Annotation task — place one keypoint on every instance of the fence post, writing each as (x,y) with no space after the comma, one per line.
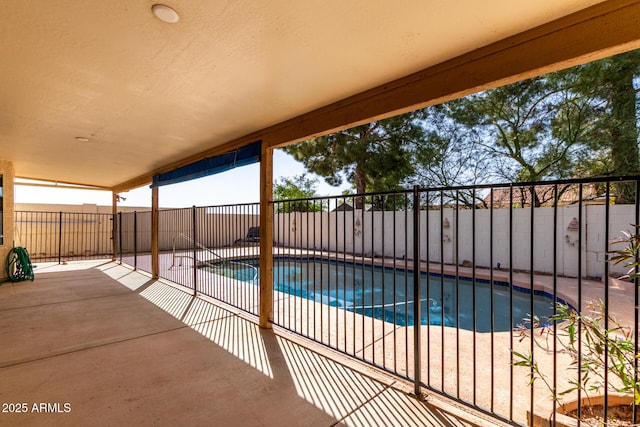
(114,213)
(135,240)
(113,237)
(195,252)
(416,290)
(60,238)
(120,235)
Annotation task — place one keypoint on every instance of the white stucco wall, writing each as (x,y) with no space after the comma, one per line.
(391,234)
(373,233)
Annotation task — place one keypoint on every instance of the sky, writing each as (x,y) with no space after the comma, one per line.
(240,185)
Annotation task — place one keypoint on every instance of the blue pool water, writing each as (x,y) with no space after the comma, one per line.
(387,294)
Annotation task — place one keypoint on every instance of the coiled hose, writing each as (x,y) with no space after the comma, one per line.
(18,265)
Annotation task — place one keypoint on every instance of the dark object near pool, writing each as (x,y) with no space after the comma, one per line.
(253,236)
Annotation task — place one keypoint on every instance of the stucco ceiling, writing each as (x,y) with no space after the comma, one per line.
(147,93)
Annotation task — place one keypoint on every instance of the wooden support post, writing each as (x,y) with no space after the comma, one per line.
(266,237)
(155,261)
(114,224)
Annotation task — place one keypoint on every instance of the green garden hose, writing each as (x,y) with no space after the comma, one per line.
(18,265)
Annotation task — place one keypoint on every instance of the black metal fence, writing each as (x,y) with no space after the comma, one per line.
(456,289)
(212,250)
(133,239)
(63,236)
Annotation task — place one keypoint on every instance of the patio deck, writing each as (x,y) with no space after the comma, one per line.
(94,342)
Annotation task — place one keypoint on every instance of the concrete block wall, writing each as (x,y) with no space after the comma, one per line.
(391,234)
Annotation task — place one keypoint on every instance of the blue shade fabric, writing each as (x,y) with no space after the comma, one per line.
(210,166)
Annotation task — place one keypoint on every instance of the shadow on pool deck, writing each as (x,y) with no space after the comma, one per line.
(97,343)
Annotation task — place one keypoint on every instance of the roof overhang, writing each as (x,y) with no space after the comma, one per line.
(152,97)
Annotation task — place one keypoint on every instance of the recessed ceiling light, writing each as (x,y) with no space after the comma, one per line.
(165,13)
(82,139)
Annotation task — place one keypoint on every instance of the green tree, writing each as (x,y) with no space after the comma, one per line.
(527,122)
(289,190)
(373,157)
(450,156)
(532,130)
(612,86)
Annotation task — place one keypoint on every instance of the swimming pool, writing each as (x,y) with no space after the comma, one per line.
(387,293)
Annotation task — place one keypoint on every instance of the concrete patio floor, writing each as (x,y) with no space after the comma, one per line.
(94,343)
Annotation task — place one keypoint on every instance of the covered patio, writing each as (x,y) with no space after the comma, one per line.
(154,354)
(112,97)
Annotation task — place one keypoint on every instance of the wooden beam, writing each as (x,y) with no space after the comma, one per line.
(133,183)
(596,32)
(603,30)
(155,260)
(266,237)
(59,184)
